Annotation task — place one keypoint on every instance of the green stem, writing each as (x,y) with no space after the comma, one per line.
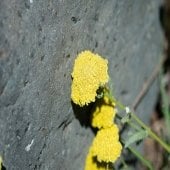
(134,126)
(150,132)
(146,162)
(141,158)
(131,124)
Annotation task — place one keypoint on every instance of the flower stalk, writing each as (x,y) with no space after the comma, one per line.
(144,126)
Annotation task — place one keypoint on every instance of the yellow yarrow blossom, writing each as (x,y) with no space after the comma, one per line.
(103,114)
(89,73)
(106,146)
(92,164)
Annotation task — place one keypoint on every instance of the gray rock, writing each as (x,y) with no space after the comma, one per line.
(39,41)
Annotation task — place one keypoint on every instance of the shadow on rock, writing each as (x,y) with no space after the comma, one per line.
(83,114)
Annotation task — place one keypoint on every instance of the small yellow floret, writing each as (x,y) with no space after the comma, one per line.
(89,73)
(103,114)
(92,164)
(106,146)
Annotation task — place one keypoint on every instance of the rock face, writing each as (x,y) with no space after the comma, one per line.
(39,41)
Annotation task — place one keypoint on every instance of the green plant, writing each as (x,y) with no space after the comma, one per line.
(89,85)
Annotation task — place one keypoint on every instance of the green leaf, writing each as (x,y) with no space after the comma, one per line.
(126,118)
(136,137)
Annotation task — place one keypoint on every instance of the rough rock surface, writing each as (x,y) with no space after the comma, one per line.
(39,41)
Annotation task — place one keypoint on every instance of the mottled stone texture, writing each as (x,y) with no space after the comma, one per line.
(39,40)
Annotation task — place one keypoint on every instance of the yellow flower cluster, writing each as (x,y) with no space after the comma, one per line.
(89,73)
(106,147)
(93,164)
(103,113)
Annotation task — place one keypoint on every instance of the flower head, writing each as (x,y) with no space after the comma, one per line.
(103,114)
(106,146)
(89,73)
(92,164)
